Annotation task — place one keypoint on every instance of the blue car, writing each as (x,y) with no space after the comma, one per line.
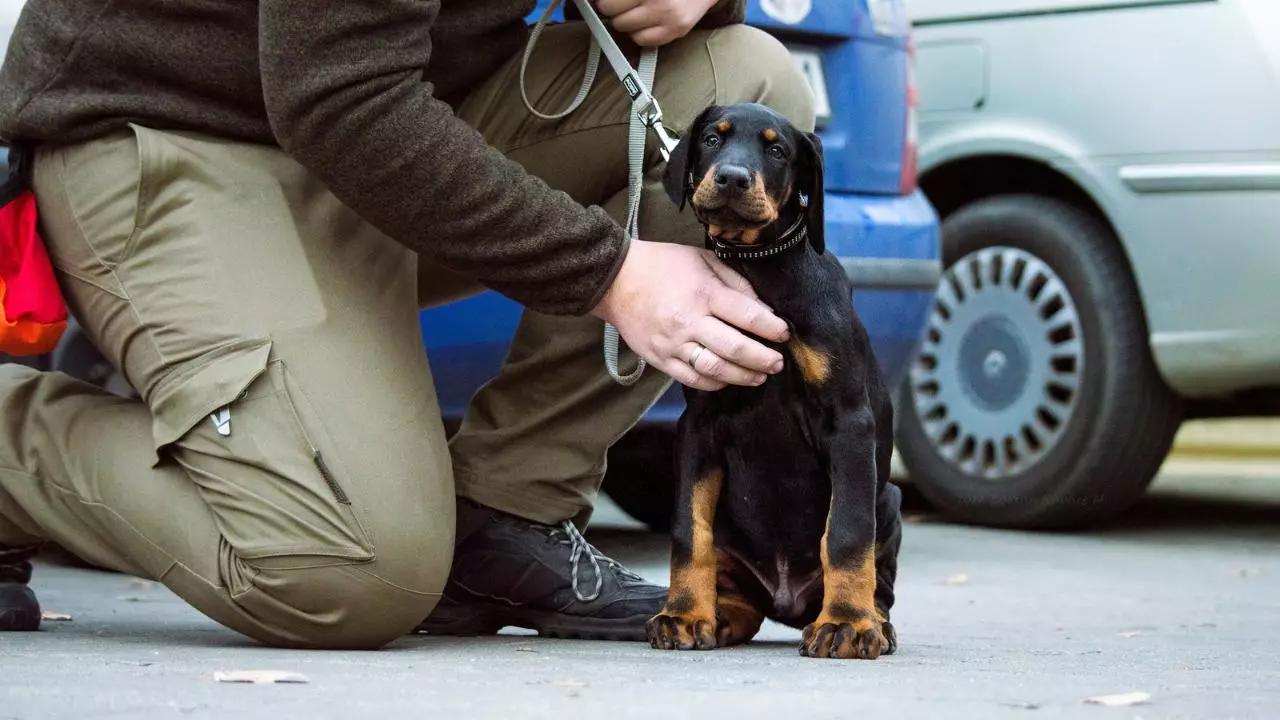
(857,57)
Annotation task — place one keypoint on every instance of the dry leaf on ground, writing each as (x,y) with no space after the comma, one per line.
(260,677)
(55,616)
(1121,700)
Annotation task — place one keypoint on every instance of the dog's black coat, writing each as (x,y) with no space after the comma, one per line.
(766,471)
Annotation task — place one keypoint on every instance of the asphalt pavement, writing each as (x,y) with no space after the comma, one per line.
(1181,603)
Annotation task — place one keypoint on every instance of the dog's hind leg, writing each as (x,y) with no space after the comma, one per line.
(688,622)
(849,625)
(888,542)
(738,619)
(888,520)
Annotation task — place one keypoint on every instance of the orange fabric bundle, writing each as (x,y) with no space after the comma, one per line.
(33,313)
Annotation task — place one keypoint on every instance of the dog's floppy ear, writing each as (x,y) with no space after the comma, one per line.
(811,183)
(678,180)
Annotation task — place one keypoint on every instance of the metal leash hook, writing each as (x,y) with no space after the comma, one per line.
(645,114)
(643,103)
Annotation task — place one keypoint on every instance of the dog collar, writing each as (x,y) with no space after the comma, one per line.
(794,235)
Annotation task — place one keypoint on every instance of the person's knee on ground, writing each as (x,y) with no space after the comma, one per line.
(313,602)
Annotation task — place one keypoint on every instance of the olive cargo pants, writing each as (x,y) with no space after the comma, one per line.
(286,471)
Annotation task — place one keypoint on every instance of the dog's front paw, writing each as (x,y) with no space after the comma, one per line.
(866,638)
(671,631)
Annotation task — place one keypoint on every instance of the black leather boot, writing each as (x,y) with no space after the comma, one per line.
(19,609)
(510,572)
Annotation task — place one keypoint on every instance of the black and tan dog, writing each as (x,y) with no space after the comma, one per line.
(784,509)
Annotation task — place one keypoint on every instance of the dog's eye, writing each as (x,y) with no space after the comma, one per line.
(711,141)
(776,151)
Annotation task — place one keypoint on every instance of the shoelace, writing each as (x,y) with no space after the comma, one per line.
(581,547)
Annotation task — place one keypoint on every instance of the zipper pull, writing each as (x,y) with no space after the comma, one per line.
(222,421)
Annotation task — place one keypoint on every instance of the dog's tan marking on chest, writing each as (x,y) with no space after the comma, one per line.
(814,363)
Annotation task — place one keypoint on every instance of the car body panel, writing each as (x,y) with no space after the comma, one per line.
(1181,155)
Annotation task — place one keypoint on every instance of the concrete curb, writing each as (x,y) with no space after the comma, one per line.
(1217,450)
(1257,438)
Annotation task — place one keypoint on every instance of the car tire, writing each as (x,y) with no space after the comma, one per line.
(641,476)
(1034,401)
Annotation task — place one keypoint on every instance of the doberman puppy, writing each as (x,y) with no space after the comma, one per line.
(785,509)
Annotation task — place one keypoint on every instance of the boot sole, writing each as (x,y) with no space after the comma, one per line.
(19,611)
(472,621)
(19,621)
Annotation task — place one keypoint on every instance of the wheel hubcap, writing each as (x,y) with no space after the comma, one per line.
(999,372)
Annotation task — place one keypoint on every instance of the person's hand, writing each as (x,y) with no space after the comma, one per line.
(654,22)
(668,300)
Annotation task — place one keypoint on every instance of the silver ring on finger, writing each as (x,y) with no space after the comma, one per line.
(693,359)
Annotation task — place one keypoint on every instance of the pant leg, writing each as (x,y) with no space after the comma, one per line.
(315,508)
(534,440)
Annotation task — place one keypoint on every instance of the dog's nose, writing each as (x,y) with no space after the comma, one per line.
(733,178)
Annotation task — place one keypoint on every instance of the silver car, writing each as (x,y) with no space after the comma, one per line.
(1108,172)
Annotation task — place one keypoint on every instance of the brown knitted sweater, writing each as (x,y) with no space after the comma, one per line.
(339,85)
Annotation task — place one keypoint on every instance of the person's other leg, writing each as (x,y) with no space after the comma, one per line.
(534,440)
(286,470)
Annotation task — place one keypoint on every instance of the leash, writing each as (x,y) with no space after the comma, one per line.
(645,114)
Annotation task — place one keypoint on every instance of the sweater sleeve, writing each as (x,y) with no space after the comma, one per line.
(345,95)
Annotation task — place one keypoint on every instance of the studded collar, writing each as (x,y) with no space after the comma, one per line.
(792,237)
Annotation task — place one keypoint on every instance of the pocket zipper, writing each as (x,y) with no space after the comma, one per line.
(329,479)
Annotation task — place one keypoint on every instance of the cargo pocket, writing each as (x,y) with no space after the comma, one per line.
(238,429)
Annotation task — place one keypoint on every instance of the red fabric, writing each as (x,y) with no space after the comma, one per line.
(33,313)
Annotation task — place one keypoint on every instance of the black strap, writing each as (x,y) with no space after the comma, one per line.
(793,237)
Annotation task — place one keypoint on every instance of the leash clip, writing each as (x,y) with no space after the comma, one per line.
(643,103)
(651,115)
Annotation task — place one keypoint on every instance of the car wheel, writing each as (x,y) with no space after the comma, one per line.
(641,476)
(1034,400)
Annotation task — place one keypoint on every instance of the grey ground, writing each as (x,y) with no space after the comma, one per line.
(1180,602)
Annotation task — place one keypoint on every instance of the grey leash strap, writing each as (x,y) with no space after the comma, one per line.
(637,84)
(635,161)
(588,77)
(645,114)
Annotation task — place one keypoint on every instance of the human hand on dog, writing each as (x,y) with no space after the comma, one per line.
(654,22)
(668,299)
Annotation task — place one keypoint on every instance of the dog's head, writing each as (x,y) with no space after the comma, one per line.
(744,168)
